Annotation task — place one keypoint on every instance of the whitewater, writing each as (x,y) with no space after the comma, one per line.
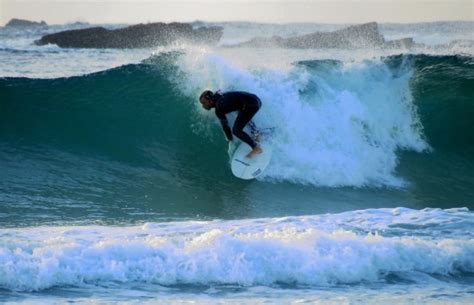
(115,185)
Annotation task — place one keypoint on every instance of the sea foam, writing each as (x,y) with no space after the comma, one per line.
(336,124)
(297,251)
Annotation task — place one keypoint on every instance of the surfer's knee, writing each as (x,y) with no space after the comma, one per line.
(237,131)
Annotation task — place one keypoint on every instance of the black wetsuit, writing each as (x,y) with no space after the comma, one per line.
(247,104)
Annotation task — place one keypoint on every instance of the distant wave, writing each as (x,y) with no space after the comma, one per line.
(30,52)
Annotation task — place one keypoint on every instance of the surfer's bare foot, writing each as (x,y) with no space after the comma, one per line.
(256,150)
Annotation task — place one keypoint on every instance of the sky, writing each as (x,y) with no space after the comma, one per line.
(268,11)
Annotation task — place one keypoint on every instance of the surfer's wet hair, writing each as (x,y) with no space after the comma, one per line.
(208,95)
(211,96)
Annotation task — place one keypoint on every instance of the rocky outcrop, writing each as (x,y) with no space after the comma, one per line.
(460,43)
(136,36)
(404,43)
(365,35)
(22,23)
(357,36)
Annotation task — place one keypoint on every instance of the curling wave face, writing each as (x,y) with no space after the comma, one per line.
(135,135)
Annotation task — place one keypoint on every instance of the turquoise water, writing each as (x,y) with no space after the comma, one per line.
(115,185)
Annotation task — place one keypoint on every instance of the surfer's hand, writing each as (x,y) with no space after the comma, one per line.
(231,148)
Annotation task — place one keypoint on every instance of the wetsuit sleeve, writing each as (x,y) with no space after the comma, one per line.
(225,125)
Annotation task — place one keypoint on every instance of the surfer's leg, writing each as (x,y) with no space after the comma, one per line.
(254,131)
(243,118)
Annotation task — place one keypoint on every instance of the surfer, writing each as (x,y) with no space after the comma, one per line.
(247,104)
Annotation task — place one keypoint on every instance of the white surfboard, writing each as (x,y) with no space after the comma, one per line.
(245,168)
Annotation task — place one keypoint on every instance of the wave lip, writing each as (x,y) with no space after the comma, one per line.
(338,124)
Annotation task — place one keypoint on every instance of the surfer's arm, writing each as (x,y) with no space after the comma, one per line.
(225,126)
(227,130)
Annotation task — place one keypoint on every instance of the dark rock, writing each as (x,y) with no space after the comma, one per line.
(354,36)
(404,43)
(135,36)
(357,36)
(461,43)
(21,22)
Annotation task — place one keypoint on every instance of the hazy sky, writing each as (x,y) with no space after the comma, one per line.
(278,11)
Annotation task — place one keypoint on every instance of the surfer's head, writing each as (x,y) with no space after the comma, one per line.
(207,100)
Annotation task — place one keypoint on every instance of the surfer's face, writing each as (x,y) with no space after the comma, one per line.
(206,104)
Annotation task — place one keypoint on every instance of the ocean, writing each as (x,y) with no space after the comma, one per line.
(115,184)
